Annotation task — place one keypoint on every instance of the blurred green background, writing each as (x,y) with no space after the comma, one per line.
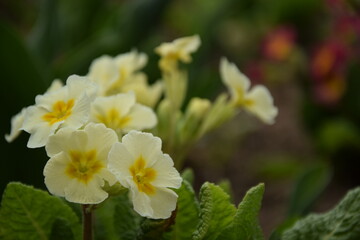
(305,51)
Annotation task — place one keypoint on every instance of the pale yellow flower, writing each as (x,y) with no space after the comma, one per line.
(178,50)
(139,164)
(256,100)
(77,168)
(146,94)
(113,73)
(68,106)
(121,113)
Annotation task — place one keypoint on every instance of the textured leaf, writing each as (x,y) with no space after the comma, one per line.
(246,225)
(187,214)
(116,219)
(342,222)
(216,212)
(308,188)
(28,213)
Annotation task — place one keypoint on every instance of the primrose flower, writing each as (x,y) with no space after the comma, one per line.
(77,168)
(179,49)
(121,113)
(146,94)
(68,106)
(112,74)
(139,164)
(257,100)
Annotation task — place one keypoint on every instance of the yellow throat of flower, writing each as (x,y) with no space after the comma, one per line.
(83,165)
(60,111)
(143,176)
(113,119)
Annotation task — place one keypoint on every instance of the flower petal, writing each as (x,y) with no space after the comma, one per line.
(141,203)
(262,104)
(141,117)
(119,163)
(16,125)
(166,174)
(163,202)
(100,138)
(54,172)
(237,83)
(90,193)
(142,144)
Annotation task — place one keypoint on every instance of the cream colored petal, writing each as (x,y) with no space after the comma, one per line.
(79,114)
(61,141)
(163,202)
(77,86)
(108,176)
(119,162)
(142,144)
(16,125)
(166,174)
(186,46)
(237,83)
(55,85)
(101,139)
(141,203)
(55,178)
(40,135)
(90,193)
(141,117)
(103,71)
(33,118)
(262,104)
(131,61)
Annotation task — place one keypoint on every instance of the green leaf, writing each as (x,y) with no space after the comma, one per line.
(28,213)
(341,223)
(308,188)
(116,219)
(246,225)
(216,212)
(187,214)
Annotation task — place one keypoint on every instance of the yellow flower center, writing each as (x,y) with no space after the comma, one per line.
(241,100)
(83,165)
(113,119)
(143,176)
(60,111)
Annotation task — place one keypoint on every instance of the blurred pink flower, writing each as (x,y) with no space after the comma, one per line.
(328,58)
(279,43)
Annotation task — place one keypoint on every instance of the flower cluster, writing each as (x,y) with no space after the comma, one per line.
(91,126)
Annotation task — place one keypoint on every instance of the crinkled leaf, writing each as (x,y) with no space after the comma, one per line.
(342,222)
(28,213)
(155,229)
(116,219)
(246,225)
(187,213)
(216,212)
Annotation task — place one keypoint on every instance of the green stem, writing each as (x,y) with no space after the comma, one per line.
(87,222)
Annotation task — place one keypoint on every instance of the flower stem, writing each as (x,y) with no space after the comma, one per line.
(87,222)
